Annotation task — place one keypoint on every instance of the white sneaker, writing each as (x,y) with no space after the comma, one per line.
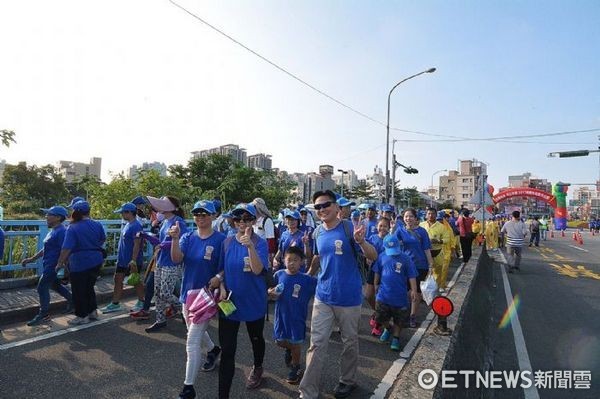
(93,315)
(77,321)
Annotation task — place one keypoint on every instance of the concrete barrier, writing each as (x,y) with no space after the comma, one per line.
(468,348)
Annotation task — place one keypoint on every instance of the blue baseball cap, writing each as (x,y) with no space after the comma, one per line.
(126,207)
(74,201)
(440,215)
(291,214)
(217,205)
(355,214)
(241,208)
(343,201)
(56,210)
(206,206)
(372,206)
(139,200)
(391,243)
(387,208)
(81,206)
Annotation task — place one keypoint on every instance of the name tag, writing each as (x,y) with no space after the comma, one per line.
(296,292)
(338,247)
(398,268)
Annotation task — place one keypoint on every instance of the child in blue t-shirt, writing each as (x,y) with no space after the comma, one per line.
(393,269)
(293,292)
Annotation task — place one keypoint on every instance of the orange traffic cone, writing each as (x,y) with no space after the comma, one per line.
(580,239)
(574,236)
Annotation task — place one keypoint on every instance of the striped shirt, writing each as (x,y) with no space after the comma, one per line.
(515,233)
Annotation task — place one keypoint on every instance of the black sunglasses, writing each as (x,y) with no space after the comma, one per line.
(324,205)
(245,220)
(200,214)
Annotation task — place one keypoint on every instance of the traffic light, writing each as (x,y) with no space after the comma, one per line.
(410,170)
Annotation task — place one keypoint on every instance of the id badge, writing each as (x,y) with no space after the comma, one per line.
(296,292)
(247,267)
(208,252)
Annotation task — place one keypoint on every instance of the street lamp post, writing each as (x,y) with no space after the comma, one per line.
(343,172)
(387,139)
(435,173)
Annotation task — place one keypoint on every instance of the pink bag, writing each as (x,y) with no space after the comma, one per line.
(201,305)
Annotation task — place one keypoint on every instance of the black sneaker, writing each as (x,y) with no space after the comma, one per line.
(188,392)
(295,375)
(211,358)
(156,327)
(343,390)
(287,357)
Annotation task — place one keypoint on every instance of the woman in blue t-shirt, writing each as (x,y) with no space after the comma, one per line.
(416,243)
(83,248)
(199,250)
(167,273)
(242,269)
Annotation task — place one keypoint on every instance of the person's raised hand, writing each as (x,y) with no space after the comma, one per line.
(359,233)
(246,239)
(175,230)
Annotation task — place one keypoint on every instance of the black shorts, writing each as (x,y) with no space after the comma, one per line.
(384,313)
(421,276)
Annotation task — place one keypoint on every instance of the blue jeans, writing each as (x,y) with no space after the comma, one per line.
(48,280)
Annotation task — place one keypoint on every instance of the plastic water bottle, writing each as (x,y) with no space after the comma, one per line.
(60,274)
(279,288)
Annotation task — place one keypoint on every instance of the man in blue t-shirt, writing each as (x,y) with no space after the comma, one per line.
(338,294)
(393,270)
(55,216)
(129,258)
(371,220)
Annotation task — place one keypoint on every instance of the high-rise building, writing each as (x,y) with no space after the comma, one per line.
(376,183)
(232,150)
(310,183)
(134,170)
(72,171)
(260,161)
(348,179)
(459,186)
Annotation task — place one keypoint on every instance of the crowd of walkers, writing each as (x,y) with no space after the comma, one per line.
(334,255)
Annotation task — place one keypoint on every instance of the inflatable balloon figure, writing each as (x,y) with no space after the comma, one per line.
(559,190)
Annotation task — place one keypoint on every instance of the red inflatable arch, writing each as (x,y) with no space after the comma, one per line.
(525,192)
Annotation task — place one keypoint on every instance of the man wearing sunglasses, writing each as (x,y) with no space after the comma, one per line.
(338,295)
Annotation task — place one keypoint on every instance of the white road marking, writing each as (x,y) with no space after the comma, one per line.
(522,354)
(61,332)
(394,371)
(578,248)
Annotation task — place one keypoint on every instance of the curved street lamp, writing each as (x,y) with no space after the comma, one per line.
(387,140)
(435,173)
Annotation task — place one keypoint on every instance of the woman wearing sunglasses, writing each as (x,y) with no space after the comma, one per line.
(199,250)
(242,268)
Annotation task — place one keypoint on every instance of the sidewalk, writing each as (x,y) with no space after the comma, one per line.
(22,304)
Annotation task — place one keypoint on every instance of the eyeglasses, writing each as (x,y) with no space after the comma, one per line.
(324,205)
(245,220)
(203,214)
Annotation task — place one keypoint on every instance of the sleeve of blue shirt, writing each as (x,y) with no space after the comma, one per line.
(426,241)
(377,265)
(262,249)
(183,243)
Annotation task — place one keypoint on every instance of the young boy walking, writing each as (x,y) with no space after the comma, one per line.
(393,270)
(293,292)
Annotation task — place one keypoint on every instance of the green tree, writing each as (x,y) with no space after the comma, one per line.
(25,189)
(7,137)
(362,192)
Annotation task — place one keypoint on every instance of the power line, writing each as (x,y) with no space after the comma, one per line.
(362,114)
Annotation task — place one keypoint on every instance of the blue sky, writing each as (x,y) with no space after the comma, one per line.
(143,81)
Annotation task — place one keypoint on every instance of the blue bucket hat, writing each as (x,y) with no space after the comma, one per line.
(391,243)
(291,214)
(126,207)
(343,201)
(74,201)
(81,206)
(206,206)
(56,210)
(241,208)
